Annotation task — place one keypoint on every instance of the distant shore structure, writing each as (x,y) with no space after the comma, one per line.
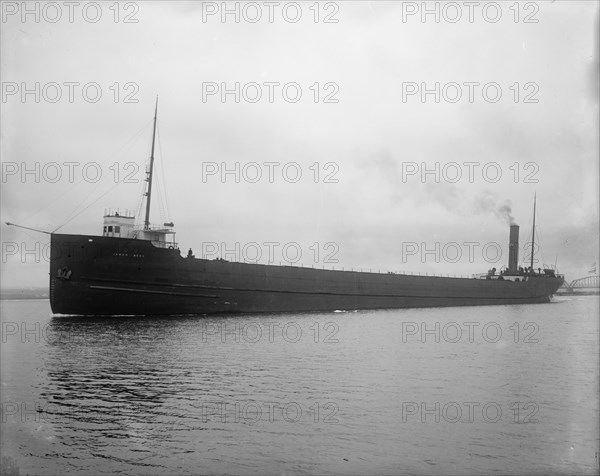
(588,285)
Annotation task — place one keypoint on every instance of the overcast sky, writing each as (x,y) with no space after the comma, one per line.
(366,119)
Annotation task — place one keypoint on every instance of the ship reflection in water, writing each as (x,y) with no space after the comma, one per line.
(316,393)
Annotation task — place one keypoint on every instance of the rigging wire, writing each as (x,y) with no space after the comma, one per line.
(120,151)
(78,212)
(84,209)
(164,181)
(537,246)
(140,201)
(161,209)
(162,195)
(35,239)
(75,212)
(539,241)
(158,183)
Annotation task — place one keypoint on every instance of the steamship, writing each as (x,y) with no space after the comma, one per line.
(138,270)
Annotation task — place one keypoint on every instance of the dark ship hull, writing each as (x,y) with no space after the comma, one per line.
(97,275)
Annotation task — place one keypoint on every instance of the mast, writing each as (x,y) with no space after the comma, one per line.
(149,179)
(533,231)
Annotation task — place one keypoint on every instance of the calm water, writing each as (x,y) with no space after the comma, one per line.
(481,390)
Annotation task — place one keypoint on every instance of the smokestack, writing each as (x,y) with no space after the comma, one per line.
(513,249)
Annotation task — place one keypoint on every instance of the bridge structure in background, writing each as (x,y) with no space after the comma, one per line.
(585,285)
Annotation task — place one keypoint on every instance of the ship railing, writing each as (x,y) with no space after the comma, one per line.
(166,244)
(166,228)
(354,269)
(111,212)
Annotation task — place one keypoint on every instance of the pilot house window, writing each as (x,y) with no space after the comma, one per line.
(110,229)
(117,229)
